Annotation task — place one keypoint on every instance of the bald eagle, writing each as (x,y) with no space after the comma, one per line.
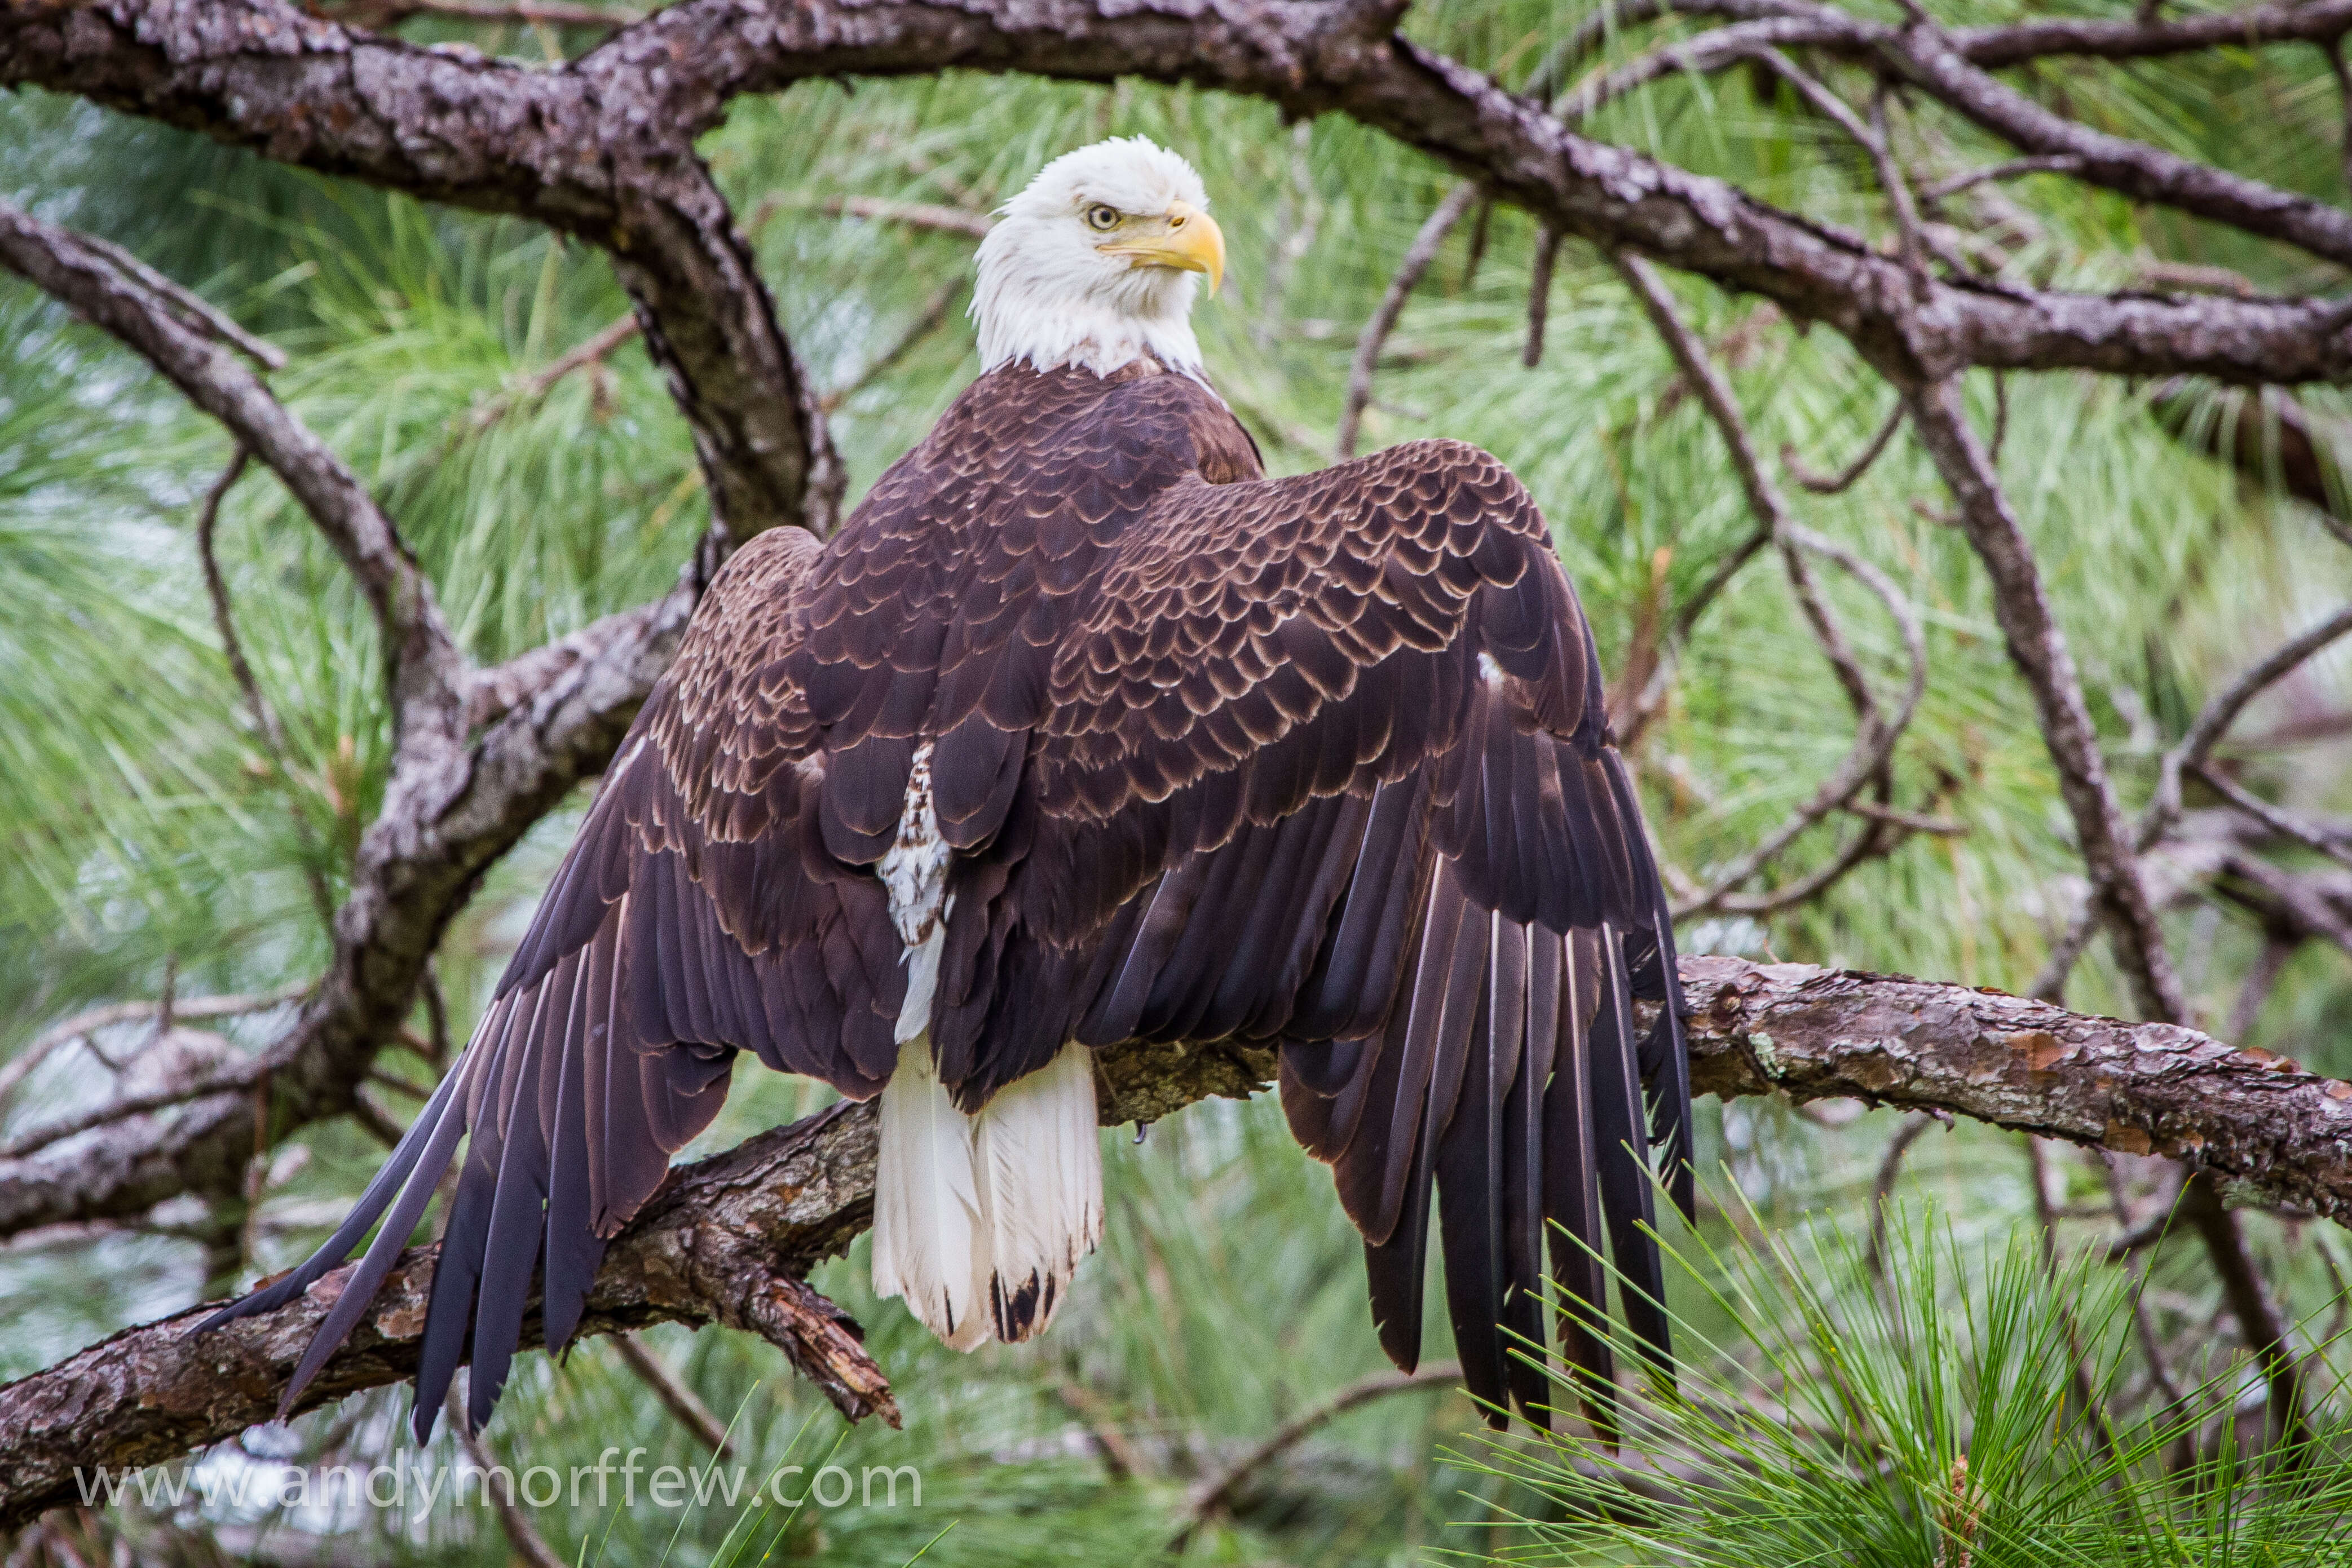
(1081,732)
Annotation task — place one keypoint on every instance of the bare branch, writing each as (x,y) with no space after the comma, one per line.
(1875,736)
(125,1106)
(1882,1184)
(2015,168)
(1417,257)
(451,130)
(683,1404)
(1932,61)
(513,1517)
(1845,478)
(2038,648)
(2222,710)
(425,669)
(1540,295)
(265,716)
(415,870)
(1212,1496)
(184,1010)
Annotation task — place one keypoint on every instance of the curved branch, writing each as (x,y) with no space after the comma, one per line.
(585,146)
(587,149)
(727,1239)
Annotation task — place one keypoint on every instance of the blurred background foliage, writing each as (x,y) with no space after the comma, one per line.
(143,831)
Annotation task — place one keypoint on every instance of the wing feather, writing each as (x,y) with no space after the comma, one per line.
(674,933)
(1394,634)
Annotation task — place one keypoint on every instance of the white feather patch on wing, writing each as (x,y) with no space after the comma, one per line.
(1040,1162)
(915,872)
(931,1234)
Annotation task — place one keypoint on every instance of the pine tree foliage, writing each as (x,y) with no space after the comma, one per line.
(152,837)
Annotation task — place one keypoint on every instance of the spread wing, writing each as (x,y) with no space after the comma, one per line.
(689,920)
(1325,763)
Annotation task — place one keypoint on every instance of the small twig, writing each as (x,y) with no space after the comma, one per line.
(236,1081)
(191,309)
(265,716)
(1844,479)
(1539,294)
(1417,258)
(535,386)
(925,323)
(1875,736)
(1211,1495)
(1881,1186)
(1298,216)
(376,1121)
(1940,827)
(521,1534)
(676,1397)
(1482,225)
(2015,168)
(2250,1302)
(2247,1010)
(1118,1455)
(929,215)
(406,1091)
(1874,744)
(2046,1213)
(1873,142)
(184,1010)
(2221,711)
(436,1014)
(2038,648)
(1710,52)
(2151,1345)
(2285,824)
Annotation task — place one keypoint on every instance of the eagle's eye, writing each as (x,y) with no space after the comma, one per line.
(1102,219)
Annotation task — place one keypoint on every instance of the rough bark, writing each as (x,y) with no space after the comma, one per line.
(450,808)
(599,148)
(729,1239)
(591,153)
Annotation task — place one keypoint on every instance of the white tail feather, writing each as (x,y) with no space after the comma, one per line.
(980,1221)
(930,1244)
(1040,1162)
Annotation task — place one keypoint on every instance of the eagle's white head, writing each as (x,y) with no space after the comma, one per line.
(1095,263)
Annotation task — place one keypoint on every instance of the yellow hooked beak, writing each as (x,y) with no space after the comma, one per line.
(1191,242)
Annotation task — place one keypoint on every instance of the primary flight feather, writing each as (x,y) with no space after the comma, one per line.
(1080,732)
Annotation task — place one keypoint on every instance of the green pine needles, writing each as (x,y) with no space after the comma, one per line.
(1974,1405)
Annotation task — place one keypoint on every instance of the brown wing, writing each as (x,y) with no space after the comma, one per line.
(691,918)
(1323,762)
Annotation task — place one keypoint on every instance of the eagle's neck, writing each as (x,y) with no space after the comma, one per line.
(1023,321)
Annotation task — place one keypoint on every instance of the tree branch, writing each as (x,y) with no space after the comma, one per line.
(727,1240)
(449,809)
(601,147)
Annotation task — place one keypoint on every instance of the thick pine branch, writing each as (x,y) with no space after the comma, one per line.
(729,1239)
(602,148)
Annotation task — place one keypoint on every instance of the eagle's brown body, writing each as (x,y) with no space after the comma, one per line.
(1319,761)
